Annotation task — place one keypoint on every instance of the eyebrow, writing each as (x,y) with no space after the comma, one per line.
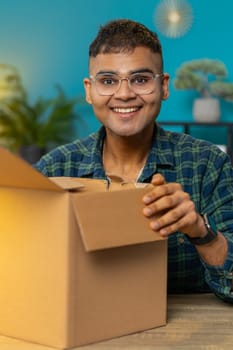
(141,70)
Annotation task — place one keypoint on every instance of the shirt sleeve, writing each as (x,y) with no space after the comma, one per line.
(217,197)
(220,278)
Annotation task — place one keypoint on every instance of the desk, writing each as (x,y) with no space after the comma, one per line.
(195,322)
(187,128)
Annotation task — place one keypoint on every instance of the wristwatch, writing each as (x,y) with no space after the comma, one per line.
(211,234)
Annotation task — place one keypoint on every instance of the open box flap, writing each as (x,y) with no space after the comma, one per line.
(112,219)
(15,172)
(67,183)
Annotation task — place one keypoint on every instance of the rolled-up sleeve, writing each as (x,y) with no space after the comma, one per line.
(220,278)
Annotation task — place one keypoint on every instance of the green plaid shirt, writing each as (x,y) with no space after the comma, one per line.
(205,173)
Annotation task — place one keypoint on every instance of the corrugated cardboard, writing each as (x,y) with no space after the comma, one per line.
(78,262)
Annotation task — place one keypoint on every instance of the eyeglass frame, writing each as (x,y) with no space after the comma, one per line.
(154,77)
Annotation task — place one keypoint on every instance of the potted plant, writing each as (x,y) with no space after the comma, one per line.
(31,129)
(207,77)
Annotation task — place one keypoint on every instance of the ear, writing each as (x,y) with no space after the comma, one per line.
(87,87)
(165,86)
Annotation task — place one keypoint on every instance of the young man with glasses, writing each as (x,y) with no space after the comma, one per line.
(192,198)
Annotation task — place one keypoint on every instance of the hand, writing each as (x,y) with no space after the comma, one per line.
(170,209)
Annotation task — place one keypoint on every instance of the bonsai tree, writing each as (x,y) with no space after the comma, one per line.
(206,76)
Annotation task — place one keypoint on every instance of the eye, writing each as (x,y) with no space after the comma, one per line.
(140,79)
(107,80)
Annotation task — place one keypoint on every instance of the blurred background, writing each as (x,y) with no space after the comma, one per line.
(47,42)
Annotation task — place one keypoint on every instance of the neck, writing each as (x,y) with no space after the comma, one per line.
(125,160)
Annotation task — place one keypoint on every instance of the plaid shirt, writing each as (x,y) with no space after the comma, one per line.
(205,173)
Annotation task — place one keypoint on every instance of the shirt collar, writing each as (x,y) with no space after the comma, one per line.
(93,156)
(160,156)
(162,148)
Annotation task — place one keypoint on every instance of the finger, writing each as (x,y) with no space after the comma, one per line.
(178,219)
(166,191)
(164,205)
(158,179)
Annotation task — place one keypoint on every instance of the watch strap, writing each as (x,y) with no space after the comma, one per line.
(211,232)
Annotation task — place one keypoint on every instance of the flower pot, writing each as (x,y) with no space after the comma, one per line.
(206,110)
(31,153)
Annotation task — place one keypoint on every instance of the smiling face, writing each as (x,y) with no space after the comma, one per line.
(126,113)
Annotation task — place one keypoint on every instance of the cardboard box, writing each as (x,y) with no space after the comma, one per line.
(78,262)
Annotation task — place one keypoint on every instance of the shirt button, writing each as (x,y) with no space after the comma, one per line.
(181,240)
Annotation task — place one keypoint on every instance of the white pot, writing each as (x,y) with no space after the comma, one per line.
(206,110)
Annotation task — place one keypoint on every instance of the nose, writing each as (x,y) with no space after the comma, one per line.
(124,91)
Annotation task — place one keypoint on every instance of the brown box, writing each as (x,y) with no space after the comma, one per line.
(78,262)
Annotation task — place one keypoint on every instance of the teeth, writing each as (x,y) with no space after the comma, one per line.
(125,110)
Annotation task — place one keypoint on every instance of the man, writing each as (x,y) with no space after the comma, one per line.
(192,198)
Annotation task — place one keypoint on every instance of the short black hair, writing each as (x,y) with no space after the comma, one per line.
(124,35)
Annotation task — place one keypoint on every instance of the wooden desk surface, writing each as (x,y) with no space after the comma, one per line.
(195,322)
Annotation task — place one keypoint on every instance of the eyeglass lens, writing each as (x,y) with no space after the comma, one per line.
(143,83)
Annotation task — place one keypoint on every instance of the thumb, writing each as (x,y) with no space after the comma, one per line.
(158,179)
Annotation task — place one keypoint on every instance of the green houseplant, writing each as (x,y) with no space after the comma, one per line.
(207,77)
(33,129)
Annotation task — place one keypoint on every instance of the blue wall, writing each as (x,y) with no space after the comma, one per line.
(48,41)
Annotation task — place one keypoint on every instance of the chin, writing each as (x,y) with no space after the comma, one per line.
(126,132)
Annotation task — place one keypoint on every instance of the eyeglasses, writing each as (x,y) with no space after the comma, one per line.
(108,84)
